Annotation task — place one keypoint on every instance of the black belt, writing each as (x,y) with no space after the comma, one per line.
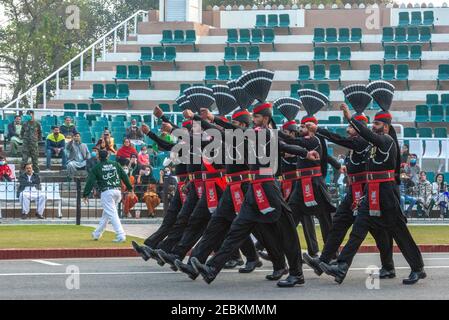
(196,176)
(357,177)
(237,178)
(293,175)
(254,177)
(307,173)
(379,175)
(211,175)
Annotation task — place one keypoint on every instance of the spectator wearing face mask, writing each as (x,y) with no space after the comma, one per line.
(424,195)
(143,159)
(440,195)
(147,189)
(129,200)
(412,169)
(6,175)
(125,152)
(134,133)
(407,191)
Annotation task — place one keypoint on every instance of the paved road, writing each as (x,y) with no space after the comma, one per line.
(132,278)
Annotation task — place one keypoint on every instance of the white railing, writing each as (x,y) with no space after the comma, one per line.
(130,23)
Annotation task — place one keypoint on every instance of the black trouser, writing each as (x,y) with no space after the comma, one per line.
(395,225)
(182,220)
(283,229)
(343,220)
(169,220)
(213,237)
(308,227)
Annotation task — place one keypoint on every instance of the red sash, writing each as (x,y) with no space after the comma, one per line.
(210,186)
(198,187)
(259,193)
(236,189)
(356,181)
(306,175)
(374,181)
(287,183)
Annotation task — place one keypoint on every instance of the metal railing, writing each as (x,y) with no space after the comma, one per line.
(118,33)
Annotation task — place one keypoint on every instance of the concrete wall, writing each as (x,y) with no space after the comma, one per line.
(247,18)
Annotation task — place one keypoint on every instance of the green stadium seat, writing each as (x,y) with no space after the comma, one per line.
(96,107)
(229,54)
(241,53)
(345,54)
(324,89)
(388,72)
(389,53)
(223,73)
(331,35)
(183,86)
(233,36)
(387,35)
(410,132)
(425,132)
(334,120)
(175,108)
(273,21)
(422,113)
(356,35)
(119,118)
(445,99)
(375,72)
(145,73)
(440,133)
(404,19)
(170,54)
(303,73)
(268,36)
(319,72)
(431,176)
(443,74)
(236,71)
(244,36)
(318,35)
(261,21)
(412,34)
(69,106)
(432,99)
(319,54)
(310,86)
(210,73)
(402,74)
(402,52)
(167,37)
(158,54)
(121,72)
(294,87)
(436,113)
(343,35)
(254,53)
(98,91)
(332,53)
(425,35)
(335,73)
(190,36)
(82,106)
(146,54)
(416,53)
(284,21)
(111,91)
(123,91)
(133,72)
(428,19)
(416,18)
(164,106)
(178,36)
(256,36)
(400,34)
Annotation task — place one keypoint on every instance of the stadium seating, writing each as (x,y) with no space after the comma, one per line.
(111,92)
(251,53)
(158,54)
(273,21)
(443,74)
(344,36)
(332,54)
(178,37)
(407,35)
(133,72)
(403,53)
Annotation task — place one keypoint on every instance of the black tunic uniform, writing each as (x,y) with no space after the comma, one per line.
(356,163)
(382,157)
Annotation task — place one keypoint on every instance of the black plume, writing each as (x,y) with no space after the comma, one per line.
(382,92)
(358,96)
(288,107)
(224,99)
(257,83)
(241,96)
(200,97)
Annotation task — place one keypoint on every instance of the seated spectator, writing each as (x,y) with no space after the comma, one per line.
(143,159)
(440,196)
(405,153)
(68,129)
(424,195)
(412,169)
(125,152)
(107,136)
(29,190)
(134,133)
(103,144)
(77,155)
(146,189)
(93,160)
(407,190)
(55,147)
(134,167)
(6,175)
(128,201)
(14,137)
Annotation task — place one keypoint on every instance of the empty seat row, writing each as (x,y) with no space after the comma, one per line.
(110,91)
(255,36)
(324,88)
(319,73)
(273,21)
(83,106)
(390,72)
(133,72)
(178,37)
(158,54)
(332,54)
(242,54)
(411,132)
(329,35)
(222,73)
(433,98)
(416,18)
(403,52)
(410,34)
(434,113)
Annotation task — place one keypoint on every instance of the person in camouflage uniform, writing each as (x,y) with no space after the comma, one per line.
(31,134)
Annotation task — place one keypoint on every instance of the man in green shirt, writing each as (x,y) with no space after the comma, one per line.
(108,175)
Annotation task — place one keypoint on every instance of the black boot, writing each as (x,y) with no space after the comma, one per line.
(385,273)
(250,266)
(231,264)
(313,262)
(338,271)
(291,281)
(276,275)
(152,254)
(140,251)
(168,258)
(187,269)
(208,273)
(264,255)
(414,277)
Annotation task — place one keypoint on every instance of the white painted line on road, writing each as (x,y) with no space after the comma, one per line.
(48,263)
(436,258)
(124,273)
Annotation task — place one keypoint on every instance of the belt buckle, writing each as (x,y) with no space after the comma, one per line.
(370,176)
